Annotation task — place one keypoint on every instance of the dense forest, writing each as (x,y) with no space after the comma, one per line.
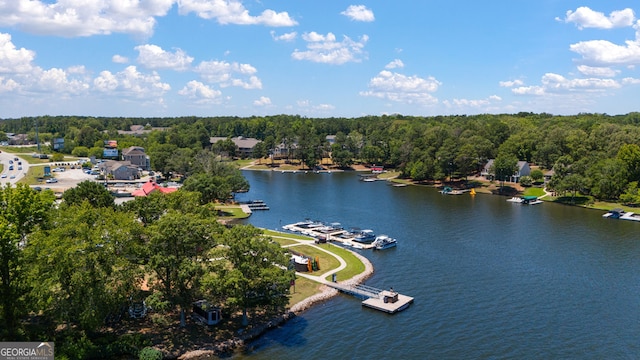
(593,154)
(70,272)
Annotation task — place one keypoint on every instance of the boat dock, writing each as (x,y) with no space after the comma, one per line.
(387,301)
(328,233)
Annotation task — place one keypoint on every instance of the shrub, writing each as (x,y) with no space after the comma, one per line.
(150,353)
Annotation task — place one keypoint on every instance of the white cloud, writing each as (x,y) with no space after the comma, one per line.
(233,12)
(262,101)
(8,85)
(284,37)
(14,60)
(630,81)
(83,18)
(555,83)
(472,103)
(119,59)
(402,88)
(154,57)
(200,92)
(597,71)
(584,17)
(511,83)
(131,83)
(227,74)
(359,13)
(603,52)
(397,63)
(325,49)
(529,90)
(324,107)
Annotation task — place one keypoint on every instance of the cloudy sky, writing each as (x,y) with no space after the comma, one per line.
(144,58)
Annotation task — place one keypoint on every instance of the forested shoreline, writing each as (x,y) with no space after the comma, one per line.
(597,155)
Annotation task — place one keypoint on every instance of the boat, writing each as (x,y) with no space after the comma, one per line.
(384,242)
(618,213)
(365,236)
(515,199)
(531,200)
(614,214)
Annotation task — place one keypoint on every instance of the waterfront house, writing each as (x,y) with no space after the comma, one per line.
(523,169)
(244,146)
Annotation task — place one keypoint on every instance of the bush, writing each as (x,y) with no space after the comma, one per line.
(150,353)
(526,181)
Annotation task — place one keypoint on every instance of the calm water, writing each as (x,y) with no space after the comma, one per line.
(491,279)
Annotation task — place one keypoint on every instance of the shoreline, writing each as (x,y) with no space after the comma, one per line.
(238,342)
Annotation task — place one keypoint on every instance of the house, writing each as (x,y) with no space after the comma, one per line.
(138,130)
(136,156)
(244,146)
(523,170)
(119,170)
(151,186)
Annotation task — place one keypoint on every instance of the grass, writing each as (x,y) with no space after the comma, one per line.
(32,176)
(304,288)
(354,265)
(533,191)
(327,262)
(231,211)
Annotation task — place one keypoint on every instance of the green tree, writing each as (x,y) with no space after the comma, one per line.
(80,268)
(253,272)
(504,166)
(178,247)
(23,211)
(608,179)
(537,175)
(631,195)
(90,191)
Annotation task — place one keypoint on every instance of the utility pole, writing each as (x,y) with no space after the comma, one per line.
(37,139)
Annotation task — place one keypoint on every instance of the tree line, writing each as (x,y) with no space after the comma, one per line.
(591,154)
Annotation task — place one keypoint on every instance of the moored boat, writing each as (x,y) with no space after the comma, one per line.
(365,236)
(384,242)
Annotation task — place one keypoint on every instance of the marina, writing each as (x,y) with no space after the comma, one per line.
(334,232)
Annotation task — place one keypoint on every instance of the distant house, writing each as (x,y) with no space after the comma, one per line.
(120,170)
(151,186)
(244,146)
(136,156)
(331,139)
(138,130)
(523,170)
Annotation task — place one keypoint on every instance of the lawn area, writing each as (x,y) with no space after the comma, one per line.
(231,211)
(304,288)
(32,176)
(327,262)
(354,265)
(533,191)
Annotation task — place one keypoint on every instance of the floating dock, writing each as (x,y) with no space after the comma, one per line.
(327,233)
(387,301)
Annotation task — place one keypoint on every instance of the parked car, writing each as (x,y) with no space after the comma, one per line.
(51,181)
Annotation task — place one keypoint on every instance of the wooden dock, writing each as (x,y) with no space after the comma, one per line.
(387,301)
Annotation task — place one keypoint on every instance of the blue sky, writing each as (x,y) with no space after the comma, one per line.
(156,58)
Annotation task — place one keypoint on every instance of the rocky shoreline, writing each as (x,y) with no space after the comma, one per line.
(228,346)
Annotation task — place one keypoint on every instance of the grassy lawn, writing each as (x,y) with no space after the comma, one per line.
(32,176)
(303,289)
(533,191)
(231,211)
(327,262)
(286,235)
(354,265)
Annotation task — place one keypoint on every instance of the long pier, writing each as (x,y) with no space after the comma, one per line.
(387,301)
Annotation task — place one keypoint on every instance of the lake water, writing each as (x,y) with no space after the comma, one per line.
(491,279)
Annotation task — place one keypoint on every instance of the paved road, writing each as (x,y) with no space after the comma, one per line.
(12,176)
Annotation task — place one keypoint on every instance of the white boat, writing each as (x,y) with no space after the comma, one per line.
(384,242)
(365,236)
(515,199)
